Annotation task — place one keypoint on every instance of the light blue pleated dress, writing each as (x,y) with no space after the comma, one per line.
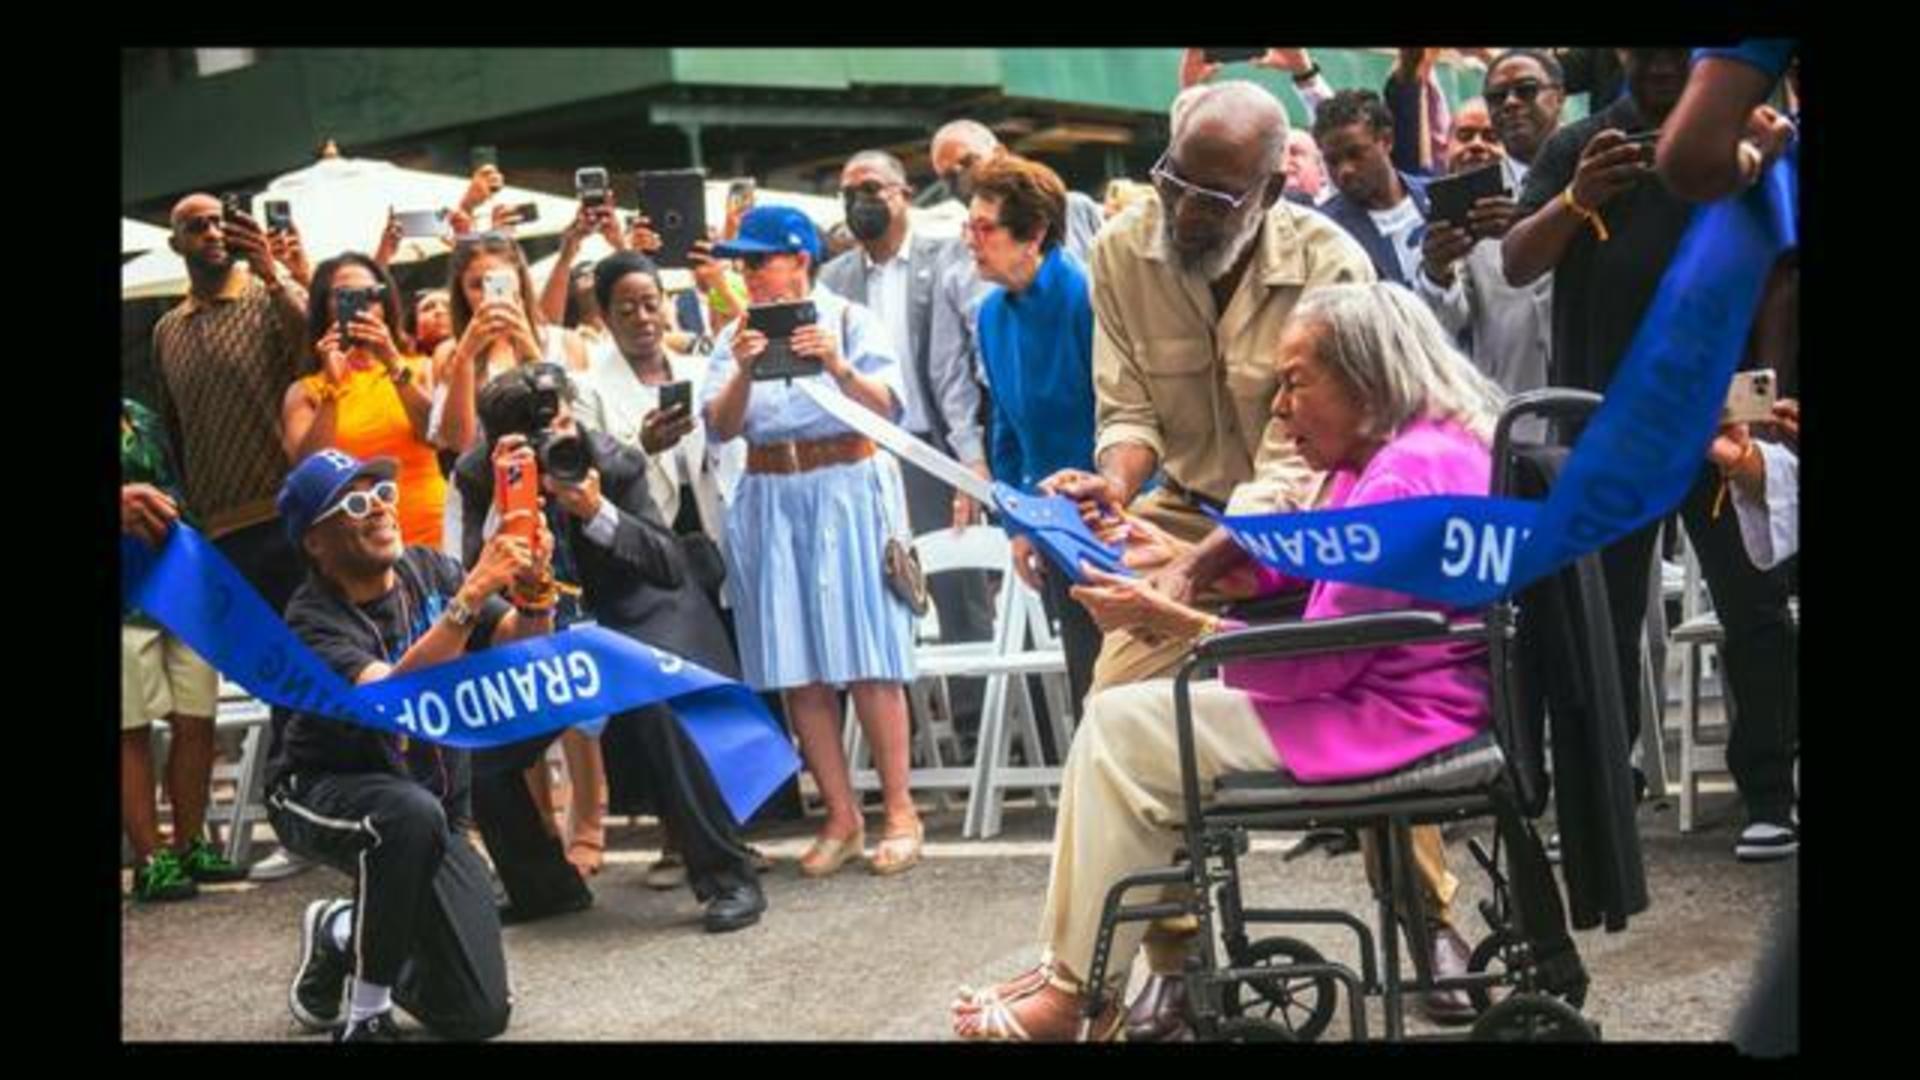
(805,552)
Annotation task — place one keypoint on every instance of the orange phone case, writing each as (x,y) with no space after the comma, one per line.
(516,486)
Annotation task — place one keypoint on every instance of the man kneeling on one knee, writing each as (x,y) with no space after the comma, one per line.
(1374,395)
(388,810)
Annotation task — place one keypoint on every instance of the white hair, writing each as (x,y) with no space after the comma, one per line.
(1234,96)
(1386,344)
(972,132)
(888,165)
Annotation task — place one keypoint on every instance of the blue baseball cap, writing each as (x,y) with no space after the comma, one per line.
(773,230)
(319,482)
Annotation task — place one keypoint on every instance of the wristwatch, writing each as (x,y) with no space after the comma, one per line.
(460,613)
(1304,77)
(401,374)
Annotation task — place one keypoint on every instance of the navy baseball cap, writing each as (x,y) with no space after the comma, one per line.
(316,484)
(773,230)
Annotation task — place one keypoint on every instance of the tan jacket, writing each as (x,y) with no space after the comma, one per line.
(1195,385)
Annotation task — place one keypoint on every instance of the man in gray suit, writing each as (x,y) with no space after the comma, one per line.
(894,273)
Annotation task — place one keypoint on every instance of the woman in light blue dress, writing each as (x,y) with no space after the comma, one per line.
(806,536)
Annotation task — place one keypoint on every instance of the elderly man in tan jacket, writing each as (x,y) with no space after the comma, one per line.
(1190,291)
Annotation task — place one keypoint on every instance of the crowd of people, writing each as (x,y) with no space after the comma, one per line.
(1276,320)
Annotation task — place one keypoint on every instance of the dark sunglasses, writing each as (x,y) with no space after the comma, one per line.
(759,259)
(198,225)
(1524,89)
(872,189)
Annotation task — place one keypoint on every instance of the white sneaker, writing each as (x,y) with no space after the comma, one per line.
(1764,842)
(280,865)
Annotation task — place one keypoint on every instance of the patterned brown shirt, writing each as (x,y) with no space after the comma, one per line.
(223,367)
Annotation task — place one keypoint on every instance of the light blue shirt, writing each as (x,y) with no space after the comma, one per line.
(777,411)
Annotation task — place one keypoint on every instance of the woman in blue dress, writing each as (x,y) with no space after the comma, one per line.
(806,536)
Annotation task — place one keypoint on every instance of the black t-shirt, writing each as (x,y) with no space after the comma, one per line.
(348,637)
(1601,290)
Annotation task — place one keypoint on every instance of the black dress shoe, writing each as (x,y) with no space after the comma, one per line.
(1450,957)
(1159,1014)
(512,914)
(735,908)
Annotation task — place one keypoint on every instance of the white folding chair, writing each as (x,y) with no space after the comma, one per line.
(237,710)
(1003,662)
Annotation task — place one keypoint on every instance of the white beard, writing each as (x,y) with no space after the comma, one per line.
(1210,265)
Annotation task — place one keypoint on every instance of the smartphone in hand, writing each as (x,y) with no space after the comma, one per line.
(1750,398)
(677,395)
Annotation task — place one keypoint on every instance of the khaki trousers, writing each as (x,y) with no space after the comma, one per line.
(1127,659)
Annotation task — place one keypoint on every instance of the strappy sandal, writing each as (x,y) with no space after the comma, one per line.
(587,856)
(899,853)
(967,998)
(994,1020)
(825,857)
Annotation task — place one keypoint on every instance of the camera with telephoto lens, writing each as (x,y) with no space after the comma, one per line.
(563,455)
(526,403)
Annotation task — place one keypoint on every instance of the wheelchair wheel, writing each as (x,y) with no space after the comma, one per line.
(1494,953)
(1490,955)
(1301,1005)
(1534,1018)
(1249,1030)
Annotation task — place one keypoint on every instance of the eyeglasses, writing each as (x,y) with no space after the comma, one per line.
(872,189)
(1524,89)
(198,225)
(1174,188)
(358,504)
(981,228)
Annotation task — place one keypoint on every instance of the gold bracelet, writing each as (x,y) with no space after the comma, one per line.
(1592,217)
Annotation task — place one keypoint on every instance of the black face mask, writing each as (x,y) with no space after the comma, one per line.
(868,219)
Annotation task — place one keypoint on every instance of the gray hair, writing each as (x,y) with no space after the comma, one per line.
(972,132)
(1251,102)
(1387,345)
(886,163)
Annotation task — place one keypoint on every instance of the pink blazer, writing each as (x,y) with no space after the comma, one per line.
(1345,715)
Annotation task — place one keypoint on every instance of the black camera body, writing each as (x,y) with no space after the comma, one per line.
(565,456)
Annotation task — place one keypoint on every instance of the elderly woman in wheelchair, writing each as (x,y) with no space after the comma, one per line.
(1376,397)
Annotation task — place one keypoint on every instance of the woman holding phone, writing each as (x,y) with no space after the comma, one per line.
(362,393)
(497,326)
(807,532)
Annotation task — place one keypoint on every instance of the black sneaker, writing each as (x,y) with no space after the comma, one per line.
(320,981)
(376,1028)
(1764,841)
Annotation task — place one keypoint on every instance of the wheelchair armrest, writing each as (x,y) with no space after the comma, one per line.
(1307,637)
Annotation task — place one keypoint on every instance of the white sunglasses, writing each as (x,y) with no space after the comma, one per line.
(358,504)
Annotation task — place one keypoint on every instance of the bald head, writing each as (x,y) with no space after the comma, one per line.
(965,135)
(1236,112)
(958,151)
(198,204)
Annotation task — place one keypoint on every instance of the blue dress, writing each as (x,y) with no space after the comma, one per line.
(805,551)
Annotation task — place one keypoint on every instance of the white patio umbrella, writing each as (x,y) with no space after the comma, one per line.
(340,204)
(138,236)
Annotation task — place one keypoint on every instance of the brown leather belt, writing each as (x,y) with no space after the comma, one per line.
(798,457)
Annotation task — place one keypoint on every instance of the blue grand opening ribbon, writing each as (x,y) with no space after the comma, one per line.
(495,697)
(1634,463)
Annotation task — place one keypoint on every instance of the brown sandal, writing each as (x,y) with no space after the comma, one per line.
(996,1022)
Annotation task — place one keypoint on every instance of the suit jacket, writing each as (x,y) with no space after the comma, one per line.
(638,586)
(927,259)
(1354,218)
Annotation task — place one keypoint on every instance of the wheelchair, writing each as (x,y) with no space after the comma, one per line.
(1524,977)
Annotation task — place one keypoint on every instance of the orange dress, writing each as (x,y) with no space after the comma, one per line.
(371,421)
